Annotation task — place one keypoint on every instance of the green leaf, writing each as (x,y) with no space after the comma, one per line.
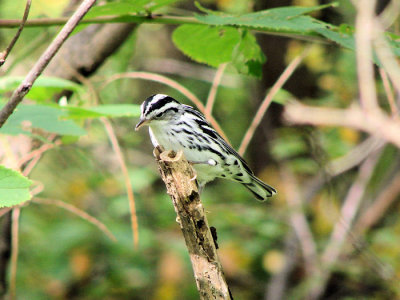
(44,117)
(283,97)
(247,56)
(282,19)
(14,187)
(43,88)
(210,45)
(345,38)
(126,7)
(116,110)
(116,8)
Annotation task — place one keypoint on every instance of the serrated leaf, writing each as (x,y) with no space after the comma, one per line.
(247,56)
(14,187)
(282,19)
(205,44)
(43,88)
(115,110)
(217,45)
(44,117)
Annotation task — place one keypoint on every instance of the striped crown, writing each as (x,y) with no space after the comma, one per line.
(157,105)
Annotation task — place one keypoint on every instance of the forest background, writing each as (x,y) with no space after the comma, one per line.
(308,93)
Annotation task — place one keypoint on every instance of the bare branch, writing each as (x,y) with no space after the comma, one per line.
(213,91)
(128,185)
(179,177)
(43,61)
(389,93)
(355,156)
(14,252)
(344,224)
(268,99)
(38,152)
(4,54)
(386,57)
(377,210)
(185,69)
(376,123)
(365,68)
(299,221)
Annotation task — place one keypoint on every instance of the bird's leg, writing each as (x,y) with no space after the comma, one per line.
(194,176)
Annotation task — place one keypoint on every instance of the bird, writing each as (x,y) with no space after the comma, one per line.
(176,126)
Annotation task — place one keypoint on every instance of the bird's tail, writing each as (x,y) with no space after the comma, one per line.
(259,189)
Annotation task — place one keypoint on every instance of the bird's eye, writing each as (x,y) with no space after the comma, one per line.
(159,115)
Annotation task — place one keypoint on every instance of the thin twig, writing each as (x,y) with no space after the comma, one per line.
(344,224)
(268,99)
(37,188)
(14,252)
(355,156)
(76,211)
(192,70)
(365,68)
(128,185)
(277,286)
(5,53)
(37,155)
(37,152)
(155,19)
(349,210)
(4,210)
(389,93)
(299,221)
(43,61)
(175,85)
(378,208)
(213,91)
(386,57)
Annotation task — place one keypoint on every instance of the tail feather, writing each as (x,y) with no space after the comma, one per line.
(260,189)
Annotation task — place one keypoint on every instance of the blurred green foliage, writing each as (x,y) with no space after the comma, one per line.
(62,256)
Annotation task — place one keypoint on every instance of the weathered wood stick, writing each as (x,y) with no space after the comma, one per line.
(179,179)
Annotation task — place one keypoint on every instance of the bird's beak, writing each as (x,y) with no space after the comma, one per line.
(141,123)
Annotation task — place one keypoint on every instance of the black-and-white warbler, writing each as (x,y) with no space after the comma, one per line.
(177,126)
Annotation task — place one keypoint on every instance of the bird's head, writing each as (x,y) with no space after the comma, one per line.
(158,108)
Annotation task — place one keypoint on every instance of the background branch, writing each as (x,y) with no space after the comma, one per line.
(4,54)
(268,99)
(376,123)
(344,224)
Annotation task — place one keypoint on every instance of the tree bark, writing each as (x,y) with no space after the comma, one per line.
(179,179)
